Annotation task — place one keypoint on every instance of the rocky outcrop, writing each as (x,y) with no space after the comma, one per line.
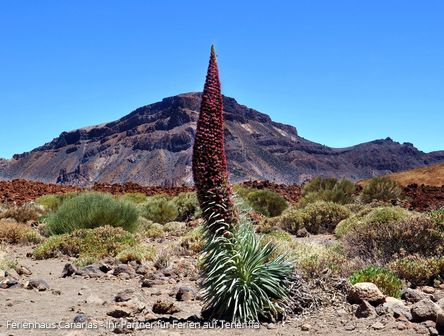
(152,146)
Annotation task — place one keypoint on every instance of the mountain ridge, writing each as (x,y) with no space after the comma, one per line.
(152,145)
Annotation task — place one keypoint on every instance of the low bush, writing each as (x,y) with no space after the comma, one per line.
(418,270)
(91,244)
(175,228)
(317,260)
(267,225)
(370,216)
(438,217)
(381,189)
(149,229)
(194,240)
(266,202)
(277,236)
(5,262)
(187,206)
(12,232)
(91,210)
(327,189)
(53,201)
(382,241)
(159,209)
(322,217)
(23,213)
(138,253)
(387,282)
(163,260)
(134,197)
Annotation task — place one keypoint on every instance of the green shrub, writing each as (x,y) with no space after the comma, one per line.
(438,217)
(135,197)
(370,216)
(381,241)
(242,191)
(91,210)
(52,202)
(267,225)
(387,282)
(292,220)
(150,229)
(381,189)
(138,253)
(327,189)
(240,279)
(91,244)
(315,260)
(418,270)
(159,209)
(175,228)
(266,202)
(5,262)
(194,240)
(187,206)
(321,217)
(277,236)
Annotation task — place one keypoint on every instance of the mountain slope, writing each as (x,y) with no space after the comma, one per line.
(153,144)
(430,175)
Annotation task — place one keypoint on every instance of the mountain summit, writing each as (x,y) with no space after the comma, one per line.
(153,144)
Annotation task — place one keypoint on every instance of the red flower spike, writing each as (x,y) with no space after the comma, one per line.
(209,161)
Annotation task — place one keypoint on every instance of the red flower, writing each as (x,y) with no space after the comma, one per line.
(209,161)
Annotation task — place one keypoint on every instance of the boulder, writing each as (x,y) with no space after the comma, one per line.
(124,269)
(163,307)
(413,295)
(68,270)
(365,291)
(185,293)
(124,295)
(92,271)
(424,310)
(365,310)
(396,308)
(39,284)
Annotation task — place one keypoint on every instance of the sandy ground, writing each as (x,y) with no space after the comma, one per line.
(68,297)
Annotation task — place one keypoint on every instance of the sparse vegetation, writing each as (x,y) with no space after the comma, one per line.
(194,240)
(266,202)
(370,216)
(187,206)
(5,262)
(23,213)
(418,270)
(138,253)
(386,281)
(322,217)
(134,197)
(92,244)
(381,189)
(149,229)
(327,189)
(91,210)
(175,228)
(159,209)
(53,201)
(12,232)
(382,241)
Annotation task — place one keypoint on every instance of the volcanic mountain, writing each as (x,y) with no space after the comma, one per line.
(153,145)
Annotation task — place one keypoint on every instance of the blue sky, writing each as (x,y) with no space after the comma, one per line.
(342,72)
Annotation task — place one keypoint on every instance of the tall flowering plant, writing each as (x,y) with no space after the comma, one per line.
(209,161)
